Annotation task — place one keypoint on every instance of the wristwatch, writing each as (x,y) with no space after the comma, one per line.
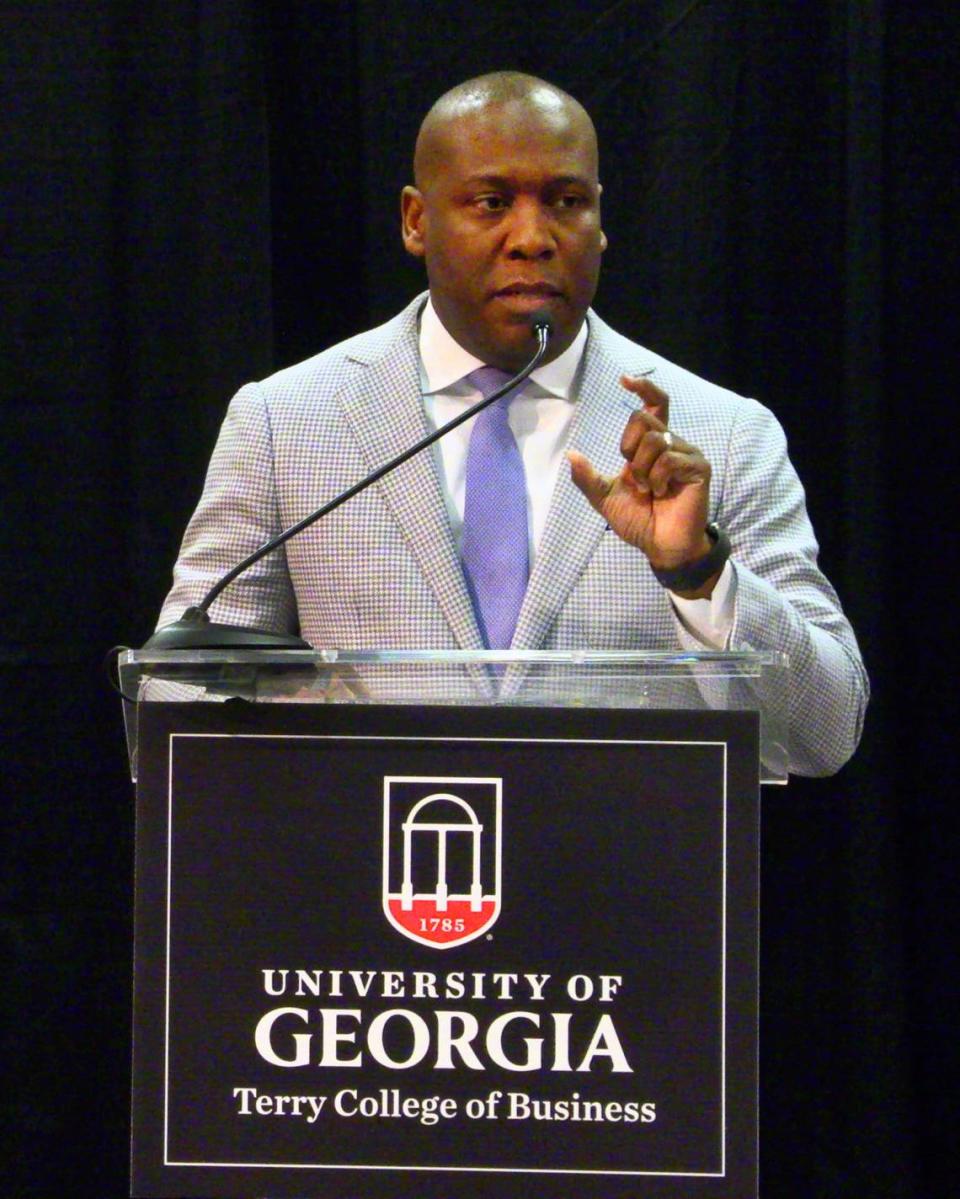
(695,574)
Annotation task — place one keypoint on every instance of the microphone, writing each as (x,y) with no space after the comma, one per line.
(195,630)
(542,325)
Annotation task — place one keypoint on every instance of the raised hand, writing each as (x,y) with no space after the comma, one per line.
(659,500)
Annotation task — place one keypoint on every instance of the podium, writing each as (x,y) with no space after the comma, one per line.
(448,924)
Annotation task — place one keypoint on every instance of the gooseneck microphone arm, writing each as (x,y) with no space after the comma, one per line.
(194,629)
(542,331)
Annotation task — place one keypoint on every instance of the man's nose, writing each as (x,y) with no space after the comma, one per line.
(530,232)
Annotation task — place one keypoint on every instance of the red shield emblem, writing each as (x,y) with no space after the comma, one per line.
(441,857)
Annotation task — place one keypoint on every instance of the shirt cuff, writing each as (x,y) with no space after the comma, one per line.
(710,620)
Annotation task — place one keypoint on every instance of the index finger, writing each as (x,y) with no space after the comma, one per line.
(655,401)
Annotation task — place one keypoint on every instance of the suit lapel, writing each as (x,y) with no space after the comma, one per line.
(573,530)
(384,410)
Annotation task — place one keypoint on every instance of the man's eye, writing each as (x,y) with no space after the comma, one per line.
(571,200)
(492,203)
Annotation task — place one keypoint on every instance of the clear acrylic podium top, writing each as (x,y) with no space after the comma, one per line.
(718,681)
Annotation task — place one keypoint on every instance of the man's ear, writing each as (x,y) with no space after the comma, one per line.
(411,218)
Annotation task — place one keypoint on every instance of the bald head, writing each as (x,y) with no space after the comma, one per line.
(508,98)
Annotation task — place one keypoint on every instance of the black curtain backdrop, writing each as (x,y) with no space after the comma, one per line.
(197,193)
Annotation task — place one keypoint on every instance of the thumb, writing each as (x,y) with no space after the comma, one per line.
(595,487)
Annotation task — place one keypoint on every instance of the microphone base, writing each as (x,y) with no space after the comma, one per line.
(195,630)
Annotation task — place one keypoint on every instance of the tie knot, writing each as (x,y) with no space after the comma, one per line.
(488,379)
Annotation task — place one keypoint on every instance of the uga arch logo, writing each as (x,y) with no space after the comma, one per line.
(441,857)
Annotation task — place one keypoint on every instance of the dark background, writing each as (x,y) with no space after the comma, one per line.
(196,193)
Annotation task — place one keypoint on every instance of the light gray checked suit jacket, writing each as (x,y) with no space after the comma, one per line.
(383,571)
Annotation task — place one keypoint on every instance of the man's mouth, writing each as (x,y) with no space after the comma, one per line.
(542,291)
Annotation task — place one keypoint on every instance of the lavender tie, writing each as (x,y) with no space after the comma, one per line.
(494,549)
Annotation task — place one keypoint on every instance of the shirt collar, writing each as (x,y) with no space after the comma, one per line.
(444,362)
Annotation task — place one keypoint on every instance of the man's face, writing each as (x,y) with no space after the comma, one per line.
(507,219)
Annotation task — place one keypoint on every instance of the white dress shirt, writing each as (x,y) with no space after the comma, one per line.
(540,418)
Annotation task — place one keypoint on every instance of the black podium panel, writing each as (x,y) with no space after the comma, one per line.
(445,951)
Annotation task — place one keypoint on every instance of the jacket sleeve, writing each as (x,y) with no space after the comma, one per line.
(783,601)
(237,513)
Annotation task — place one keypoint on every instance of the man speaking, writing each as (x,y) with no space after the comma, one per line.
(615,501)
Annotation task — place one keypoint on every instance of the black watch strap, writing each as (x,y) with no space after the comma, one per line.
(695,574)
